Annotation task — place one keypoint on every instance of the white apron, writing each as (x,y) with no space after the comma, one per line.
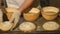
(14,3)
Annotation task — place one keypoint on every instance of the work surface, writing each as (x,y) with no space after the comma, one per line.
(39,22)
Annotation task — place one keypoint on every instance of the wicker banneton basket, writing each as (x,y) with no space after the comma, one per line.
(50,13)
(32,15)
(10,12)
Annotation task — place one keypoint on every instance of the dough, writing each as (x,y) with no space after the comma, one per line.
(27,26)
(34,10)
(51,26)
(6,26)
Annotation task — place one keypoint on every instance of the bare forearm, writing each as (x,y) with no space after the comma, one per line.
(25,5)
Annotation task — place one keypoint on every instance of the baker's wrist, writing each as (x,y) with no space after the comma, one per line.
(20,10)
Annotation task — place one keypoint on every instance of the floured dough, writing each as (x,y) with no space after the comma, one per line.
(34,10)
(6,26)
(51,26)
(27,26)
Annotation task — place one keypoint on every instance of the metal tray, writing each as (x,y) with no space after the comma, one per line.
(39,22)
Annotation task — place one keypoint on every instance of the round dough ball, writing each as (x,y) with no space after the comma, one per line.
(51,26)
(27,26)
(34,10)
(6,26)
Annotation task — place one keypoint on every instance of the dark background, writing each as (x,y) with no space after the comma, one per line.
(50,3)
